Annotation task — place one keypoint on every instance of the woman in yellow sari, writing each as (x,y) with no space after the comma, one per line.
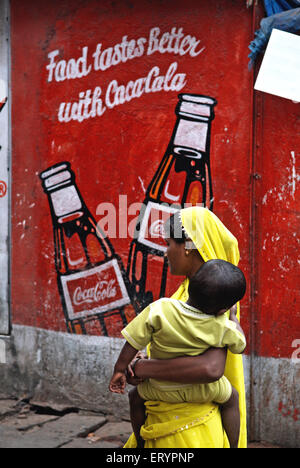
(193,425)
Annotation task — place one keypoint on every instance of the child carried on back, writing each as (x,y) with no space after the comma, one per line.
(174,328)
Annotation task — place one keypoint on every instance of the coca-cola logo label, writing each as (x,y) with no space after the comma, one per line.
(94,291)
(102,291)
(152,227)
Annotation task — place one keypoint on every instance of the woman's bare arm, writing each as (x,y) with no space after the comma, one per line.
(205,368)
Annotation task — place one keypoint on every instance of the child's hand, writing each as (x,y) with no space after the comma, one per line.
(118,383)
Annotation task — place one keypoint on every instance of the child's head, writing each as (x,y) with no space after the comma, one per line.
(216,287)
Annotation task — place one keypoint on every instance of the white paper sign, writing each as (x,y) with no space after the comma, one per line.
(279,73)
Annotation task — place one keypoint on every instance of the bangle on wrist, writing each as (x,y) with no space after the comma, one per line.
(134,364)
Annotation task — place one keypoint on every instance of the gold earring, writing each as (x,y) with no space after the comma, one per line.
(187,252)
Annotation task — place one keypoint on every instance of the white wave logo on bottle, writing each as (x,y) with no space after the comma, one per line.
(156,229)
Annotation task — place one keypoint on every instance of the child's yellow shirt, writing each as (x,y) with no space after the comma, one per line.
(174,328)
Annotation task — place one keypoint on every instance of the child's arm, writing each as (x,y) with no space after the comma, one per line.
(234,336)
(118,380)
(234,319)
(138,334)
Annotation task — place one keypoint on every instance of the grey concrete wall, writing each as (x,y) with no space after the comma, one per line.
(61,369)
(276,400)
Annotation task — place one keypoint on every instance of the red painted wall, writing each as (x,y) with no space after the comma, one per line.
(277,313)
(118,151)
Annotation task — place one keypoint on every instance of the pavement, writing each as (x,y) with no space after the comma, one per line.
(24,424)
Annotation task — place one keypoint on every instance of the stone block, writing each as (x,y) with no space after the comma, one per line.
(54,434)
(115,431)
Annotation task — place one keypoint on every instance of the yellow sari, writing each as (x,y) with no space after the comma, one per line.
(190,425)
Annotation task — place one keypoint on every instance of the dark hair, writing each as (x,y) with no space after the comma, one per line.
(173,228)
(217,285)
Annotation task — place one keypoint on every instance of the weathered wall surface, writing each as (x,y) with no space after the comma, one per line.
(62,370)
(4,164)
(275,319)
(94,93)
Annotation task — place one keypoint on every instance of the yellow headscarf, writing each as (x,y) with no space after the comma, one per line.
(209,235)
(214,241)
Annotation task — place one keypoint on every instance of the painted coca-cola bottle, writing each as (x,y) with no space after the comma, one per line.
(183,178)
(91,277)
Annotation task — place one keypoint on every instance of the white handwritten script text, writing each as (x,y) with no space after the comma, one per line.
(94,102)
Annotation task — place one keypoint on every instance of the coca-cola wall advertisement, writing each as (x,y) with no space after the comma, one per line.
(126,112)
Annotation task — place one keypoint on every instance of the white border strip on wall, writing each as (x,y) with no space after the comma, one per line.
(4,167)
